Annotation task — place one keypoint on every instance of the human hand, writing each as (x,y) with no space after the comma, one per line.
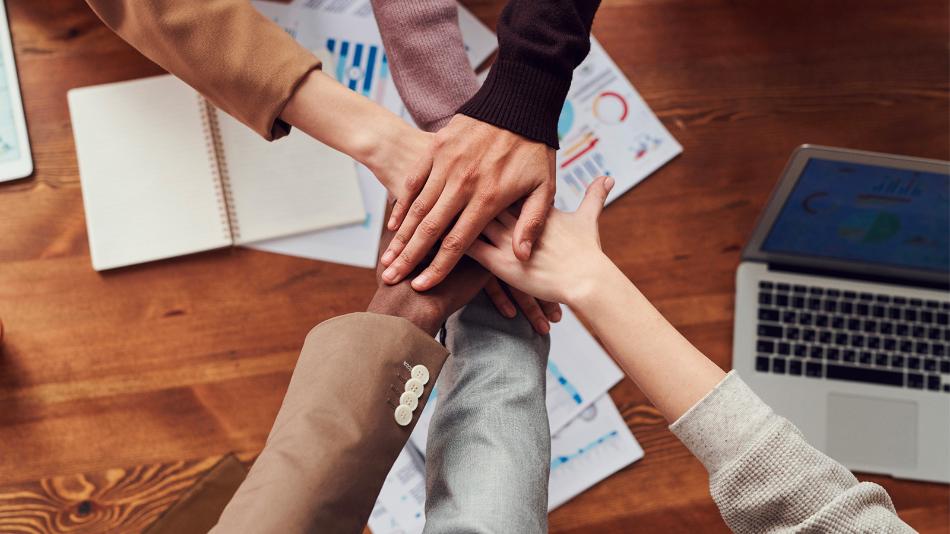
(539,313)
(566,258)
(477,171)
(428,310)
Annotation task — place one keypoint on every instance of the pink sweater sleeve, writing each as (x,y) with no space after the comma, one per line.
(429,66)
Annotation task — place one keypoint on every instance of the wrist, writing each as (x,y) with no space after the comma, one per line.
(424,316)
(589,288)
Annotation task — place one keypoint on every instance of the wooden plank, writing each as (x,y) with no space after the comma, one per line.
(159,365)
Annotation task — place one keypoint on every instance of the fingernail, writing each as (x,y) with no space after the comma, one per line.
(556,316)
(421,282)
(526,246)
(392,223)
(389,274)
(388,257)
(609,183)
(509,311)
(543,327)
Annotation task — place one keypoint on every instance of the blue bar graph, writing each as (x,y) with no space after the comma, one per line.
(568,387)
(561,460)
(361,67)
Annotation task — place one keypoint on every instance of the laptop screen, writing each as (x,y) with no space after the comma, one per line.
(866,213)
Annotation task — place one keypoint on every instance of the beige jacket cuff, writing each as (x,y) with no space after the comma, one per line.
(335,436)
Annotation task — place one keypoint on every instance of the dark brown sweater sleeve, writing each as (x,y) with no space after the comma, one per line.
(539,45)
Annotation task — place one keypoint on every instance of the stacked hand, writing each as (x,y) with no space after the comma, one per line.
(566,257)
(430,309)
(476,171)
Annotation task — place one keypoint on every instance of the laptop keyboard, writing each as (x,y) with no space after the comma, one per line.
(825,333)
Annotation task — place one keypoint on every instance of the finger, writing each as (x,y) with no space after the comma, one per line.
(497,233)
(490,257)
(424,239)
(531,222)
(473,220)
(595,197)
(531,310)
(552,310)
(507,219)
(420,208)
(499,298)
(412,187)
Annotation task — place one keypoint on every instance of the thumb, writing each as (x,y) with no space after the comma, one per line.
(531,222)
(595,197)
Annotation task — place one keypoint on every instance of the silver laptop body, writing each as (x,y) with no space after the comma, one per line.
(842,308)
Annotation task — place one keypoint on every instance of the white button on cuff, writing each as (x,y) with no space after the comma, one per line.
(403,415)
(414,386)
(421,374)
(409,399)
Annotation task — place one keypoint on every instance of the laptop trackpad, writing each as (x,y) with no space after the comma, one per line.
(872,431)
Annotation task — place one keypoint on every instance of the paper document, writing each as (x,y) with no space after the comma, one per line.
(579,372)
(606,128)
(400,507)
(347,29)
(595,445)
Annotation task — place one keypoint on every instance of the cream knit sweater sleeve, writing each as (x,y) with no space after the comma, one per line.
(765,477)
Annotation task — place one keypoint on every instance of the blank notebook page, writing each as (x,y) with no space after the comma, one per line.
(148,183)
(292,185)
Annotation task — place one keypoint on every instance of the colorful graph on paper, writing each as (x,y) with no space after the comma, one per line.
(606,129)
(363,68)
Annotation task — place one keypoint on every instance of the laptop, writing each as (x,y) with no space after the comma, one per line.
(842,308)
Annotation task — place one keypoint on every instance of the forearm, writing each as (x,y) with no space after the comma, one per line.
(427,57)
(669,370)
(540,43)
(765,477)
(339,118)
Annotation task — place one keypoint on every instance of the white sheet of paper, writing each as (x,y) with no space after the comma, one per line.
(606,128)
(400,506)
(579,371)
(593,446)
(314,23)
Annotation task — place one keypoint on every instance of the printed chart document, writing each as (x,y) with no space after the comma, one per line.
(347,29)
(589,442)
(606,128)
(595,445)
(579,372)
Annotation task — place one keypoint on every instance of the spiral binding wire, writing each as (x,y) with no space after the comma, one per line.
(219,168)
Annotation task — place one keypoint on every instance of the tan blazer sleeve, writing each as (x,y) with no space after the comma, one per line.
(240,61)
(335,437)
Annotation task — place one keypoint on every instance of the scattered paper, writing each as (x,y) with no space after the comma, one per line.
(579,372)
(606,128)
(400,507)
(347,29)
(593,446)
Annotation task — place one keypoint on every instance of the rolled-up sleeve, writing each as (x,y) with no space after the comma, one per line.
(240,61)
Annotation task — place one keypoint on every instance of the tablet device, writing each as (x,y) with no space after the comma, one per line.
(15,159)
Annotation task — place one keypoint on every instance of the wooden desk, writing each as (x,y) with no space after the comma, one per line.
(141,378)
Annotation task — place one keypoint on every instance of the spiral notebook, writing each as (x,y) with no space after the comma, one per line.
(164,173)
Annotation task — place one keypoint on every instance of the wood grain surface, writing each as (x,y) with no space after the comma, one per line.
(118,390)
